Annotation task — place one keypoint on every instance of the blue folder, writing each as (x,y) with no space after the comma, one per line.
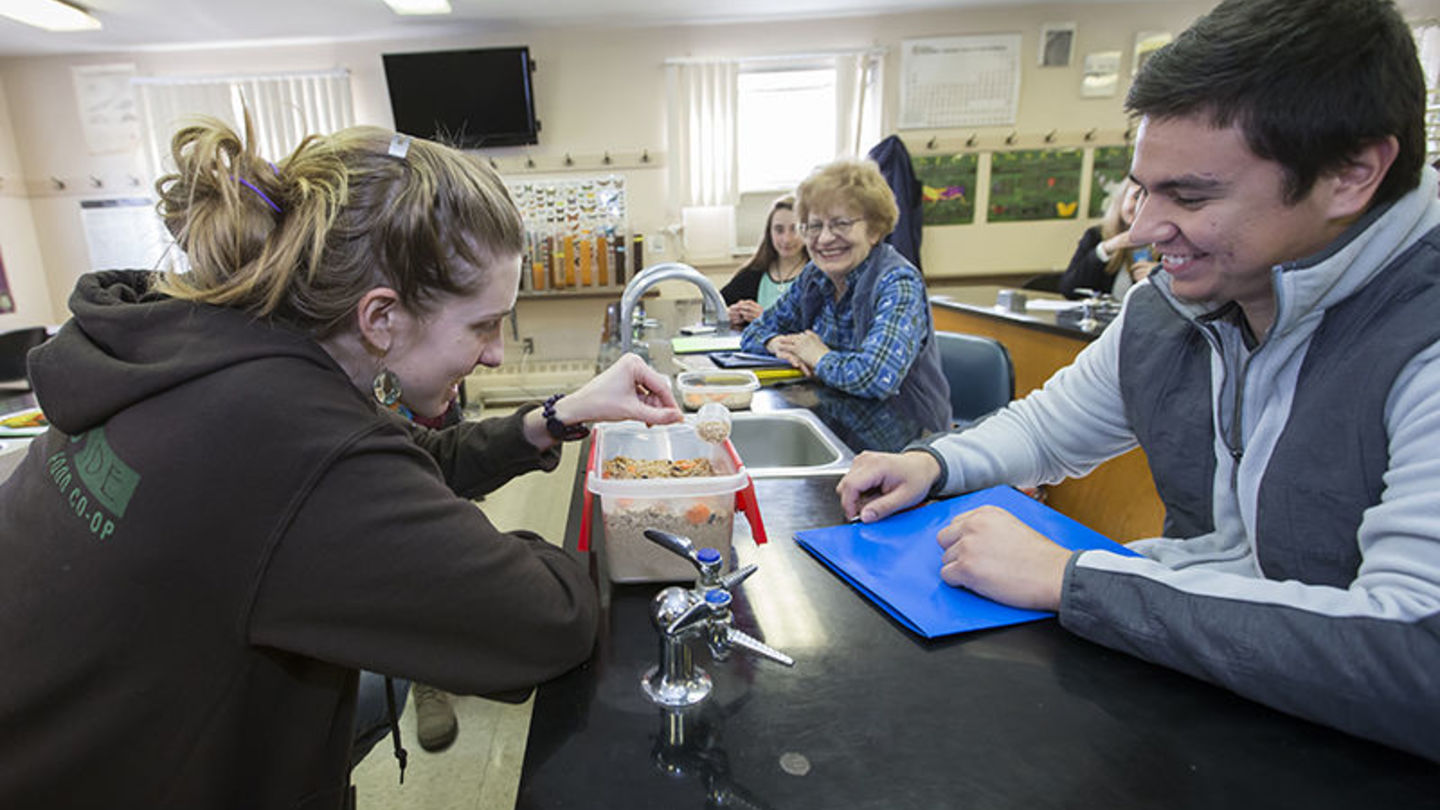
(896,561)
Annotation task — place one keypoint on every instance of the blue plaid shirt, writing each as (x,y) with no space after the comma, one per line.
(872,365)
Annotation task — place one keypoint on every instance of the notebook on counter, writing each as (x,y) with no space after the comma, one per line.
(22,424)
(895,562)
(767,376)
(695,344)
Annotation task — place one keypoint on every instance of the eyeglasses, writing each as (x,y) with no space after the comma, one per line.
(838,226)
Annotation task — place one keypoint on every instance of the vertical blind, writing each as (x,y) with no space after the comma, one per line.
(283,107)
(702,132)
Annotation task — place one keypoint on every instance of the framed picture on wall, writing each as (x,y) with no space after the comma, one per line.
(1102,74)
(1057,41)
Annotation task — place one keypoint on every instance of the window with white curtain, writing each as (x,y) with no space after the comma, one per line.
(785,126)
(745,131)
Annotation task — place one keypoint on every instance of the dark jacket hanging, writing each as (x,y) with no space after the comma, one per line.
(894,160)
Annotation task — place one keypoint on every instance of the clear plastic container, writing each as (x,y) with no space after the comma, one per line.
(701,508)
(731,388)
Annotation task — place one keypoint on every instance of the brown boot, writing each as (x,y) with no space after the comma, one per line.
(435,723)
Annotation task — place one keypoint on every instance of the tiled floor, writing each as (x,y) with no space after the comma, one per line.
(481,770)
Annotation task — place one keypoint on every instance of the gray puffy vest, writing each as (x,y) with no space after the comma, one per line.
(1328,463)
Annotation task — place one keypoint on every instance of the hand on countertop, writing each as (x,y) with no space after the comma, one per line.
(802,350)
(994,554)
(880,484)
(743,312)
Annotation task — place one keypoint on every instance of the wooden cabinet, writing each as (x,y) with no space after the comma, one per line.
(1118,498)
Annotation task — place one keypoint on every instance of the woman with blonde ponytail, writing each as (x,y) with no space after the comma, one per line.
(1106,260)
(230,516)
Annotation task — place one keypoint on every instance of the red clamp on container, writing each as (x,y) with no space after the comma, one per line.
(745,500)
(587,499)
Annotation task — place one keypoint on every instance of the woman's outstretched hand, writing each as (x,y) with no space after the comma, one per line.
(629,389)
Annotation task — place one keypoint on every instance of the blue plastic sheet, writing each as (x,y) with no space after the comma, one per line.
(896,561)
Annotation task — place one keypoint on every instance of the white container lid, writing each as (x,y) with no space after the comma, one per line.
(661,442)
(718,381)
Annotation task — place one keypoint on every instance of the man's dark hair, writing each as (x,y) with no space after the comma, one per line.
(1309,82)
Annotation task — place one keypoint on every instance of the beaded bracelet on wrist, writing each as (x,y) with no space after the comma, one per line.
(559,430)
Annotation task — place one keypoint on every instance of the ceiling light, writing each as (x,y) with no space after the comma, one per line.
(52,15)
(419,6)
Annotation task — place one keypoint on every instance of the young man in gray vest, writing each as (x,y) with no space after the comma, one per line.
(1281,372)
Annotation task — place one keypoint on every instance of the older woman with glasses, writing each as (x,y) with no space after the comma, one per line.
(857,318)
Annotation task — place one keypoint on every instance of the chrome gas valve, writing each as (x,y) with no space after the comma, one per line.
(699,612)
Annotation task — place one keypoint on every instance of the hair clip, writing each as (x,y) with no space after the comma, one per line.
(399,146)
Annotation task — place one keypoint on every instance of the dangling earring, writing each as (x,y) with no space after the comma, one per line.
(386,387)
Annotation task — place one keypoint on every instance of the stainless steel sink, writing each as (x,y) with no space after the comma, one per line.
(787,444)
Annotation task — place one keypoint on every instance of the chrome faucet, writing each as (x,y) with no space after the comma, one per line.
(713,308)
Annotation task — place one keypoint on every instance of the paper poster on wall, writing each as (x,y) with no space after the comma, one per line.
(947,188)
(7,301)
(123,234)
(959,81)
(1030,184)
(1109,169)
(1056,42)
(1102,74)
(1146,44)
(109,112)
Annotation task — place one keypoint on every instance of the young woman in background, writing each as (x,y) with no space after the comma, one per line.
(1105,260)
(774,267)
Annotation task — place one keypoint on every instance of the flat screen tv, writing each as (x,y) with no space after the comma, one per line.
(471,98)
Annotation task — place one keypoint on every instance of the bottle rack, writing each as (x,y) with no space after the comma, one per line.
(578,240)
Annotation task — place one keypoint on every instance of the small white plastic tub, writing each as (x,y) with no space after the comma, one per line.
(732,388)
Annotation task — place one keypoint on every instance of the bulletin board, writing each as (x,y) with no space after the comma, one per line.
(959,81)
(1032,184)
(576,231)
(947,188)
(1111,167)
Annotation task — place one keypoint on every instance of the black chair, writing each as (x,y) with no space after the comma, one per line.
(1044,282)
(14,345)
(981,376)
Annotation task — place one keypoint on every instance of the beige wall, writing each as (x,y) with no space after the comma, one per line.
(19,248)
(597,90)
